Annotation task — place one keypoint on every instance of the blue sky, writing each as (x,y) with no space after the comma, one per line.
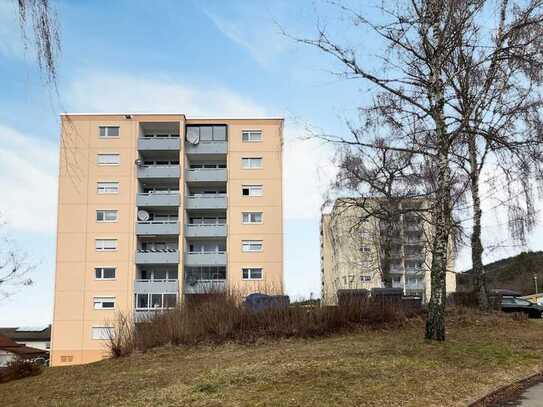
(196,57)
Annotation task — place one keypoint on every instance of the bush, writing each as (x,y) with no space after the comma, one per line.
(221,318)
(19,369)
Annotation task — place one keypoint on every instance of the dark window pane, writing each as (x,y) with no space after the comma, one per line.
(156,300)
(109,272)
(142,301)
(170,300)
(219,133)
(206,133)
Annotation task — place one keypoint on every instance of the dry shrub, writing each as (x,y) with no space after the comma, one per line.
(20,368)
(222,318)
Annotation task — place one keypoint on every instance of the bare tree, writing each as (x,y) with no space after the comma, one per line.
(495,78)
(38,18)
(14,267)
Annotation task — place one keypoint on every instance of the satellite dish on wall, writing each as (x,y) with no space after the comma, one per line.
(193,136)
(143,215)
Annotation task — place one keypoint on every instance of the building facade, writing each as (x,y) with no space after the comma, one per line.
(154,210)
(352,250)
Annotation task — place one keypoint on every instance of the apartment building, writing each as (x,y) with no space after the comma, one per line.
(158,209)
(352,250)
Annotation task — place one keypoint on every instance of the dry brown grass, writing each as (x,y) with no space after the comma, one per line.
(221,318)
(383,367)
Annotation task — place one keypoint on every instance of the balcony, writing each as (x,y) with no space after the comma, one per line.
(158,171)
(156,286)
(157,256)
(204,286)
(157,227)
(159,143)
(158,198)
(205,259)
(206,201)
(207,147)
(414,270)
(206,175)
(203,230)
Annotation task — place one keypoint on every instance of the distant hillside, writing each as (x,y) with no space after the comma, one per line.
(515,273)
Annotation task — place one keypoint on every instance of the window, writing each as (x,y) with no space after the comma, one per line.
(365,249)
(102,332)
(104,302)
(108,159)
(365,278)
(106,245)
(105,273)
(155,301)
(107,187)
(396,279)
(107,215)
(109,131)
(251,190)
(251,163)
(251,273)
(252,217)
(207,133)
(518,301)
(251,136)
(251,245)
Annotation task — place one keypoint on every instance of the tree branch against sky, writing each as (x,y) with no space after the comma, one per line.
(450,88)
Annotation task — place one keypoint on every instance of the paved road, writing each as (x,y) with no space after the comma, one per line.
(532,397)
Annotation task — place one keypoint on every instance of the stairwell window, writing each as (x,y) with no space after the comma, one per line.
(251,273)
(105,273)
(251,163)
(252,217)
(107,215)
(104,302)
(108,159)
(102,333)
(107,187)
(252,190)
(251,245)
(109,131)
(251,136)
(106,245)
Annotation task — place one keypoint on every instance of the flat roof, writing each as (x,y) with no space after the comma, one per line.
(176,114)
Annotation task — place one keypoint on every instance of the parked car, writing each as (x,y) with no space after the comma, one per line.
(515,304)
(260,302)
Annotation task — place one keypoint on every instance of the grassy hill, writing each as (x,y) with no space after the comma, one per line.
(516,273)
(370,368)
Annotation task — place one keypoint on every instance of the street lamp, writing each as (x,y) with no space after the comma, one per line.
(535,283)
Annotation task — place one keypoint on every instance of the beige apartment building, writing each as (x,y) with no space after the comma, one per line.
(156,209)
(352,251)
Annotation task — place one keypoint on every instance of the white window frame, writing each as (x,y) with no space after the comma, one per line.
(98,302)
(107,187)
(251,133)
(102,333)
(254,190)
(103,248)
(252,223)
(250,268)
(106,131)
(104,212)
(246,246)
(102,273)
(109,164)
(249,161)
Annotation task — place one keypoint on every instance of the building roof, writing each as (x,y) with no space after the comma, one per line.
(175,114)
(42,333)
(9,345)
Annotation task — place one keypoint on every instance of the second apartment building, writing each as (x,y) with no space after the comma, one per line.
(158,209)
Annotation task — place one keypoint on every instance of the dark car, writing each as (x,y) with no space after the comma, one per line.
(514,304)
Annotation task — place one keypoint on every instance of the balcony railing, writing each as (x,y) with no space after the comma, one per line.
(144,286)
(206,175)
(158,198)
(157,227)
(206,201)
(158,171)
(204,286)
(207,147)
(159,143)
(206,230)
(211,258)
(157,256)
